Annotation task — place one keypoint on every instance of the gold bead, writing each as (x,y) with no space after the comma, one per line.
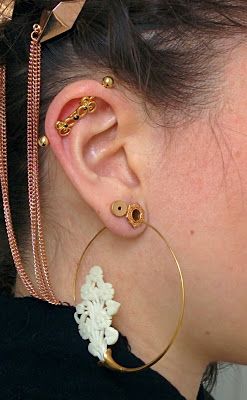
(119,208)
(43,141)
(108,82)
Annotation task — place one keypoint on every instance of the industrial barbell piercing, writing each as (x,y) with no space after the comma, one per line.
(86,106)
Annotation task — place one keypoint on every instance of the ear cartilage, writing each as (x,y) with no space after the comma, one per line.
(87,105)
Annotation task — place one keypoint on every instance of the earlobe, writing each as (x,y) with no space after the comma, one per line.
(91,148)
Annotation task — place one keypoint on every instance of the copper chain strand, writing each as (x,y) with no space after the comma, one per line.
(33,105)
(5,189)
(44,290)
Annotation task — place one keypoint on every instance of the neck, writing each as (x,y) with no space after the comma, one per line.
(149,330)
(139,318)
(180,366)
(184,370)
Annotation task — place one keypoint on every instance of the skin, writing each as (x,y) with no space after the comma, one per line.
(191,180)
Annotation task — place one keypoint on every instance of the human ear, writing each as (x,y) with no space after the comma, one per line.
(95,154)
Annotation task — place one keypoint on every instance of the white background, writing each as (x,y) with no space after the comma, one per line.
(231,384)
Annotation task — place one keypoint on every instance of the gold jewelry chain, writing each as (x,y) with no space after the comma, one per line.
(108,359)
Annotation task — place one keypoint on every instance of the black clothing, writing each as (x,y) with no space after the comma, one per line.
(42,357)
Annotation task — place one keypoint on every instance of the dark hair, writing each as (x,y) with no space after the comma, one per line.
(168,51)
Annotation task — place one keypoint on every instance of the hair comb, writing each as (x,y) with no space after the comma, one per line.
(60,19)
(6,10)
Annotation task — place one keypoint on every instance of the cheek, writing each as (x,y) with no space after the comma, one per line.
(197,182)
(197,199)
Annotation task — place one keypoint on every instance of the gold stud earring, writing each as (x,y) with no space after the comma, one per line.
(108,82)
(133,212)
(43,141)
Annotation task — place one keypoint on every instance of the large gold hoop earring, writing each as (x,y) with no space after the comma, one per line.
(135,216)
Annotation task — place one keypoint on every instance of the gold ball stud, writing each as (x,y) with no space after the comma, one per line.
(43,141)
(108,82)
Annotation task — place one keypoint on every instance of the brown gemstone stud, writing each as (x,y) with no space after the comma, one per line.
(133,212)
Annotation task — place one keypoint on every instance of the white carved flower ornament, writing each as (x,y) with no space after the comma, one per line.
(94,314)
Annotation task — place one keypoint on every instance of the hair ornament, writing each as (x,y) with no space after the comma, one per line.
(6,10)
(60,19)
